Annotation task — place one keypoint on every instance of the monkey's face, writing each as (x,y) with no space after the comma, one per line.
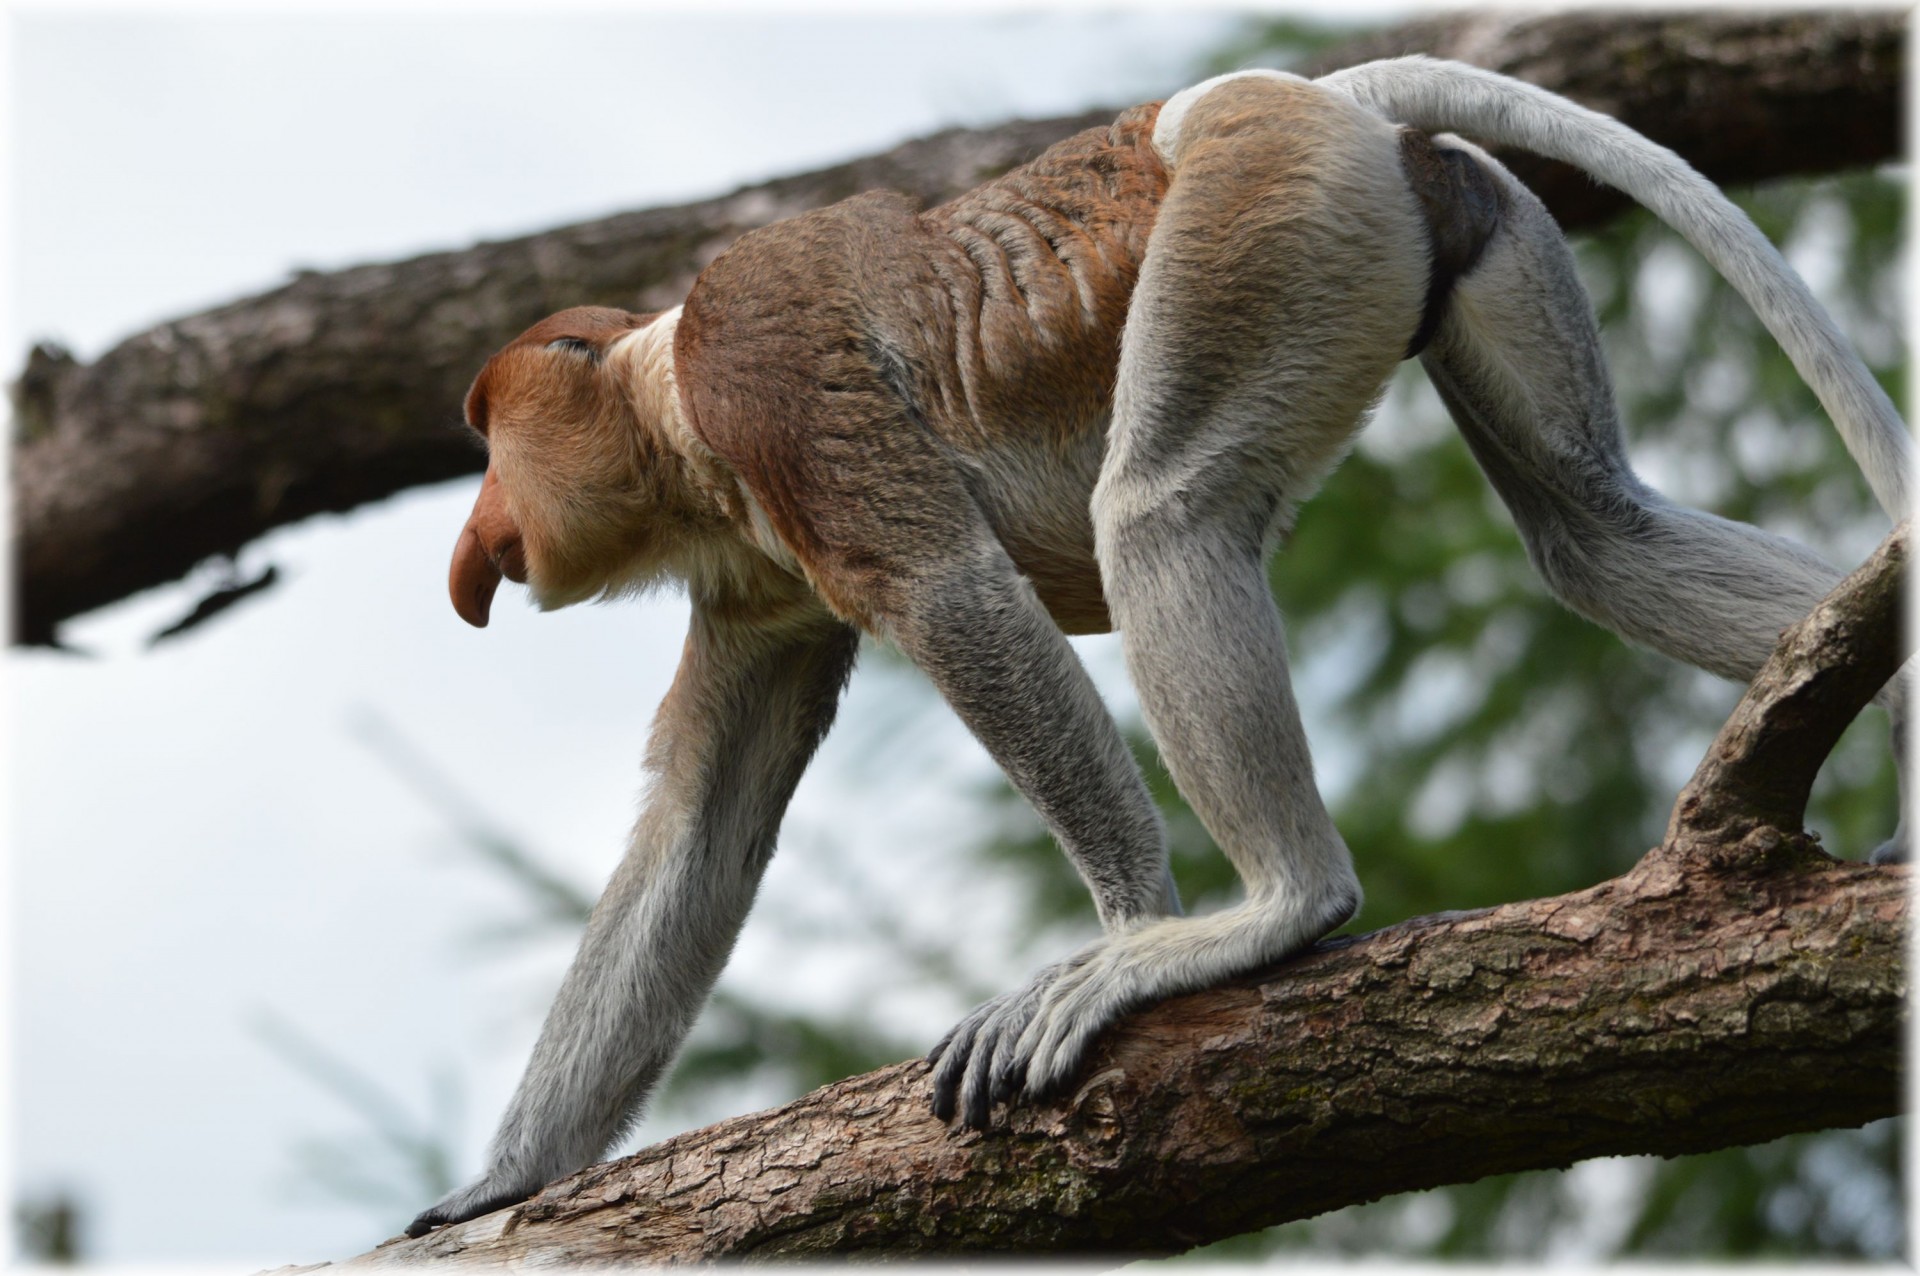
(572,475)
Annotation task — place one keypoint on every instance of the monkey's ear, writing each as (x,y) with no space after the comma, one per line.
(477,400)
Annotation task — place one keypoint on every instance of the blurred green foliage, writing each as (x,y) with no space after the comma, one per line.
(48,1230)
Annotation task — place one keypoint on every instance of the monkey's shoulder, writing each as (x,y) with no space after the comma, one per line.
(797,367)
(810,300)
(847,362)
(788,291)
(786,328)
(796,262)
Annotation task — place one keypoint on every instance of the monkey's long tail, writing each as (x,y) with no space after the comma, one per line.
(1434,96)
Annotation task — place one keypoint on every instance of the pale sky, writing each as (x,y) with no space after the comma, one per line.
(197,835)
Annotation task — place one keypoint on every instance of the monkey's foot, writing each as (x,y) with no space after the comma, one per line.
(492,1192)
(974,1063)
(1030,1044)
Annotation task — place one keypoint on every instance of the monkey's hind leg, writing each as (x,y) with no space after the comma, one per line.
(1282,283)
(1517,361)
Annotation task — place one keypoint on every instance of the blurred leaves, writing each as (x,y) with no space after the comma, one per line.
(47,1230)
(394,1159)
(1279,41)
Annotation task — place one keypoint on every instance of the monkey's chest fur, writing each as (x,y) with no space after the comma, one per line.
(878,377)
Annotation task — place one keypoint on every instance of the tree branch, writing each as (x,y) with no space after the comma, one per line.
(1760,768)
(193,438)
(1736,986)
(1639,1016)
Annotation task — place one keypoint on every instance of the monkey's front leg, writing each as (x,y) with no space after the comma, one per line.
(746,710)
(974,625)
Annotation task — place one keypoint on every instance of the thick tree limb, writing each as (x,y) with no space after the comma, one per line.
(1671,1015)
(193,438)
(1736,986)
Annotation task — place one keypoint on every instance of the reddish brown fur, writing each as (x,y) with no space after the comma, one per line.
(875,377)
(598,326)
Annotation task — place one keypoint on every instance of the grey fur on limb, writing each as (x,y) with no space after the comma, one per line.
(1440,1050)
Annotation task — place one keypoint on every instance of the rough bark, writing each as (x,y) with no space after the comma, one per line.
(1737,985)
(1659,1013)
(193,438)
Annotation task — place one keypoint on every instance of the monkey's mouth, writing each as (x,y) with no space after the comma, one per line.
(511,562)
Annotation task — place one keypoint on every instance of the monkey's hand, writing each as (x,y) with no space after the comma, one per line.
(494,1190)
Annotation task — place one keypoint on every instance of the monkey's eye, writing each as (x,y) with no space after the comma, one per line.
(574,345)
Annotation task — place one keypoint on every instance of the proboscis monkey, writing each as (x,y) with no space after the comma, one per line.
(1089,394)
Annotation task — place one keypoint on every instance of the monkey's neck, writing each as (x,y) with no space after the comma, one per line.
(643,364)
(694,481)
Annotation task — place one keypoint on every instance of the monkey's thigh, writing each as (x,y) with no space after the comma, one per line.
(1282,282)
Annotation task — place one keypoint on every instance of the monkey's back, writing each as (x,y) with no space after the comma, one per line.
(1038,266)
(963,352)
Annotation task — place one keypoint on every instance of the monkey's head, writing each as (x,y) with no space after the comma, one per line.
(584,492)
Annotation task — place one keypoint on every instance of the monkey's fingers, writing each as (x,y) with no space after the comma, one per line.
(983,1086)
(982,1062)
(1056,1043)
(976,1104)
(997,1046)
(978,1092)
(1009,1076)
(967,1058)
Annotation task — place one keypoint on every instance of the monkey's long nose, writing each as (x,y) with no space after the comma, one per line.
(472,579)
